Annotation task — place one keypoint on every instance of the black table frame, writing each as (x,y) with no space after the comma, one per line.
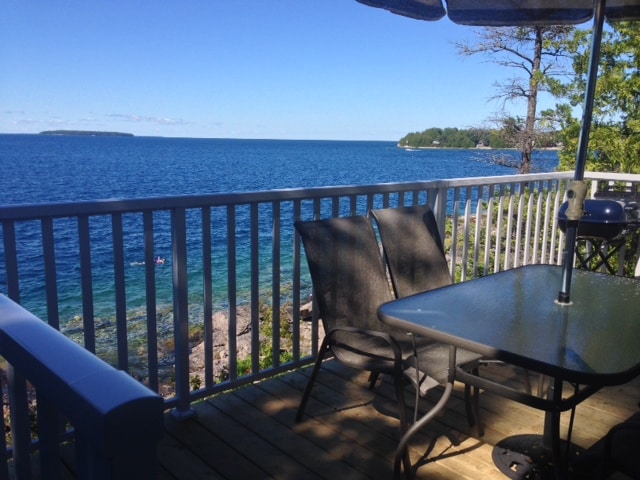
(591,343)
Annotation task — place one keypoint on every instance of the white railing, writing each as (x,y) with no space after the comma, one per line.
(234,276)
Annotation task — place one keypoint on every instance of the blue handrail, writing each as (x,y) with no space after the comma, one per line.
(116,420)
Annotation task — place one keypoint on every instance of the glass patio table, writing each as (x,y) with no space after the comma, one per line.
(513,316)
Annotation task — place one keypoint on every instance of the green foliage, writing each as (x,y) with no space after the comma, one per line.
(614,142)
(505,137)
(266,355)
(444,138)
(266,329)
(196,382)
(245,366)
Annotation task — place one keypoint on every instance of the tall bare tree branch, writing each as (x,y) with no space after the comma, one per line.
(538,54)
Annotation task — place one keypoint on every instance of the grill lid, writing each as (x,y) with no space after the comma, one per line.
(605,219)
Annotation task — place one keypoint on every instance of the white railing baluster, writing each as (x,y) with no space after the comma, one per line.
(510,252)
(548,203)
(455,219)
(499,250)
(517,249)
(537,230)
(467,232)
(488,234)
(555,252)
(527,233)
(478,230)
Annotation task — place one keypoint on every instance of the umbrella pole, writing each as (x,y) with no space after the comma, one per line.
(577,190)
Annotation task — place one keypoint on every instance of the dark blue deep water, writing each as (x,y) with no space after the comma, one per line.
(40,169)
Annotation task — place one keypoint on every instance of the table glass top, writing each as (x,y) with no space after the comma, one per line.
(514,316)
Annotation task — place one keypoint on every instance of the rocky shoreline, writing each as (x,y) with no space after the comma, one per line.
(243,341)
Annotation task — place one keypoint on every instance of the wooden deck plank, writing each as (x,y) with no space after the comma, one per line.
(177,460)
(369,444)
(211,447)
(349,431)
(383,407)
(373,446)
(309,457)
(329,445)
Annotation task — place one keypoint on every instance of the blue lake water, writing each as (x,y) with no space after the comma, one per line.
(41,169)
(38,168)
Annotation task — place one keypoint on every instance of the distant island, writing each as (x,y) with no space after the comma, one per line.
(86,133)
(472,138)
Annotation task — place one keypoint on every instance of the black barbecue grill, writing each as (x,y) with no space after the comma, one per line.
(604,219)
(604,227)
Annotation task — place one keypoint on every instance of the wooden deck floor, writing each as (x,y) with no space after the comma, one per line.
(351,432)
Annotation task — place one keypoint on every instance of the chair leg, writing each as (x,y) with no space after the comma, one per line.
(471,419)
(401,456)
(324,348)
(373,378)
(527,383)
(476,411)
(399,384)
(472,406)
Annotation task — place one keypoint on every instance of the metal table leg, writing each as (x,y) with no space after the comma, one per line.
(545,456)
(402,446)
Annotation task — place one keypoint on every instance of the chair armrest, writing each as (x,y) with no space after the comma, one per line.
(397,354)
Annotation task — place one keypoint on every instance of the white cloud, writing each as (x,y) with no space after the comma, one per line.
(146,119)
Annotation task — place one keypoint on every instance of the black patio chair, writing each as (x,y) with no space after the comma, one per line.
(613,455)
(415,256)
(622,447)
(350,283)
(412,248)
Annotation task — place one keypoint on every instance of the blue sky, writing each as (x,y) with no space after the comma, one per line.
(284,69)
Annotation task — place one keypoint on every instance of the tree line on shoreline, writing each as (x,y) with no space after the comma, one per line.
(471,138)
(555,59)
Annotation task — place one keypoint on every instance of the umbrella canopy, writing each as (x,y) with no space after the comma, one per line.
(509,12)
(497,13)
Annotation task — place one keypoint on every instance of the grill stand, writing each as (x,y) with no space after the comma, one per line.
(599,252)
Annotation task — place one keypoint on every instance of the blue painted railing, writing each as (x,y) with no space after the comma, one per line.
(115,421)
(232,267)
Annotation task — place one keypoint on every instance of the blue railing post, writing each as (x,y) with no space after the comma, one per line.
(180,312)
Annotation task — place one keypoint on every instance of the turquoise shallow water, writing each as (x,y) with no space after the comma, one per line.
(40,169)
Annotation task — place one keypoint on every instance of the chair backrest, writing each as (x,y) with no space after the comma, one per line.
(347,271)
(413,249)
